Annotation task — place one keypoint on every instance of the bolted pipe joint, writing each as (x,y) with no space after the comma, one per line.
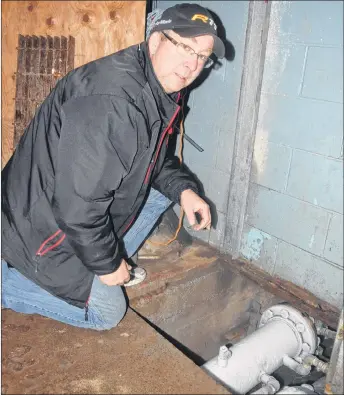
(323,330)
(283,330)
(304,389)
(271,385)
(312,360)
(297,367)
(270,380)
(223,356)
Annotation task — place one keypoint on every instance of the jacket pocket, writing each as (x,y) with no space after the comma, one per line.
(50,243)
(49,247)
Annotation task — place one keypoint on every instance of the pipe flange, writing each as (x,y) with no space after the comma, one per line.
(302,325)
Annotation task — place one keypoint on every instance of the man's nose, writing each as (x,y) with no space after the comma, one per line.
(192,62)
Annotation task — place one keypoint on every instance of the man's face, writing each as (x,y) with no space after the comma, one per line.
(174,68)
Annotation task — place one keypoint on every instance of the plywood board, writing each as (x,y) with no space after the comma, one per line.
(99,28)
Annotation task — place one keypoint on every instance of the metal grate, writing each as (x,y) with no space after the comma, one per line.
(41,62)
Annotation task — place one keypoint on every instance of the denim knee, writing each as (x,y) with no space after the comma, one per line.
(109,316)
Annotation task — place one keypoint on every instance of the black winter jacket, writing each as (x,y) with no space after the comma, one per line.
(80,173)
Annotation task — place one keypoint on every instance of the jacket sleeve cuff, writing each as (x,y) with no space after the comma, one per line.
(183,188)
(112,267)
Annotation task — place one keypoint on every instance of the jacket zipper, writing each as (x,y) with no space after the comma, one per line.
(167,130)
(86,308)
(153,161)
(129,224)
(42,251)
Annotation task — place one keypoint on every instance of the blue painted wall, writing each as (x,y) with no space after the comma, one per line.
(294,221)
(212,117)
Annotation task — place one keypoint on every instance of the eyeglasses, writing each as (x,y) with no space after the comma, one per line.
(186,51)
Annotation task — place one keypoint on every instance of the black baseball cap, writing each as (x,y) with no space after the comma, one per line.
(190,20)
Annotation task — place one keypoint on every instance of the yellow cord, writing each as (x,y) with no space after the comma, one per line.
(180,155)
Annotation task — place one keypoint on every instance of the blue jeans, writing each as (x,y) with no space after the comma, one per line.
(107,304)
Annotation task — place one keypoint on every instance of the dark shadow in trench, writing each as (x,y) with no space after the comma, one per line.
(199,361)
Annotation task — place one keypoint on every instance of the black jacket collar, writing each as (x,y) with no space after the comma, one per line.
(165,103)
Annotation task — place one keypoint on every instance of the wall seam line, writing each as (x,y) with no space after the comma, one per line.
(303,72)
(327,232)
(330,211)
(334,264)
(289,169)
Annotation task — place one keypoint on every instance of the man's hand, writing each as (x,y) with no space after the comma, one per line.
(119,277)
(191,204)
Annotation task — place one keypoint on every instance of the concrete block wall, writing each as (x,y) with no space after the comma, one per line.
(212,117)
(294,220)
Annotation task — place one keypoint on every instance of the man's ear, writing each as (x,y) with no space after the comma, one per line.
(154,42)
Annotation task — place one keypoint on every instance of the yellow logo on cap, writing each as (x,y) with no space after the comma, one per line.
(204,19)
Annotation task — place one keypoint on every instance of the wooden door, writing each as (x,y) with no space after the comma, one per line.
(86,29)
